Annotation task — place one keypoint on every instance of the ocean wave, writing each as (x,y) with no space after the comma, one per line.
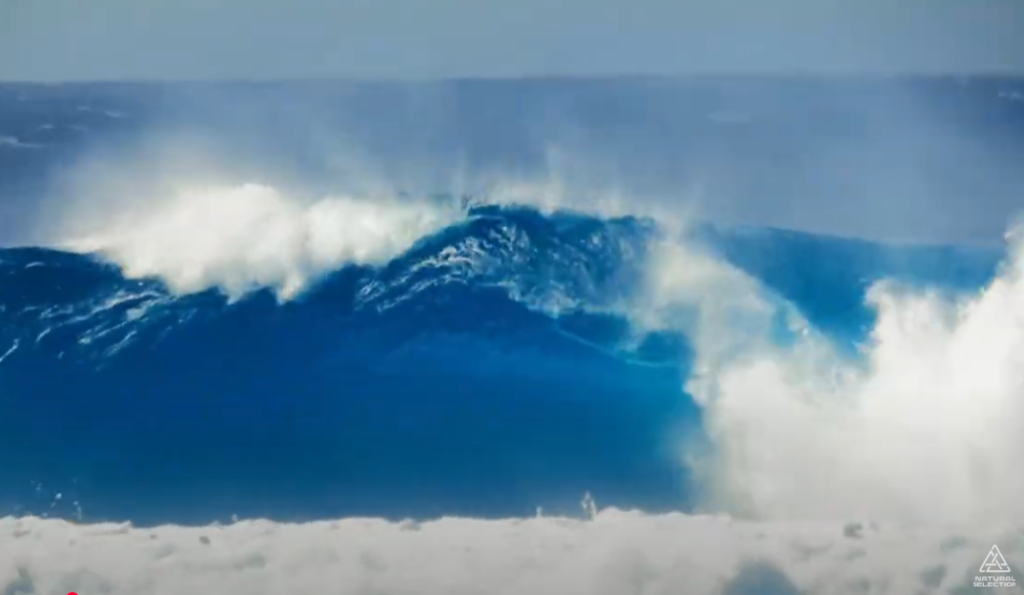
(922,398)
(554,264)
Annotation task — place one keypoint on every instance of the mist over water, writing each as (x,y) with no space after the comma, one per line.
(920,159)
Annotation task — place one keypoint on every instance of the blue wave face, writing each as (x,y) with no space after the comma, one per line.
(488,370)
(479,298)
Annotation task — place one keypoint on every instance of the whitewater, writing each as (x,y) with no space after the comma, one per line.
(858,419)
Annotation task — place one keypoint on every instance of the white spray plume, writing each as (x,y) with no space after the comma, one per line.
(552,194)
(925,428)
(240,238)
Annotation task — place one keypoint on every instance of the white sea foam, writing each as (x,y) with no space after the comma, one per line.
(239,238)
(612,553)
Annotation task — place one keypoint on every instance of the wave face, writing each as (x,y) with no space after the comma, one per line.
(490,369)
(439,373)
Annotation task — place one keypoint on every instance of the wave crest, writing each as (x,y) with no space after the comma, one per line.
(241,238)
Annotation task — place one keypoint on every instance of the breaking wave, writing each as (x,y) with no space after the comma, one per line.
(892,420)
(252,236)
(236,352)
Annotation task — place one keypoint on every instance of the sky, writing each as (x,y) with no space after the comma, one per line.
(52,40)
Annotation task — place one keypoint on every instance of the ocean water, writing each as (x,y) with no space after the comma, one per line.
(398,316)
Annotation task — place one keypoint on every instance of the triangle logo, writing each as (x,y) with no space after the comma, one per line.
(994,562)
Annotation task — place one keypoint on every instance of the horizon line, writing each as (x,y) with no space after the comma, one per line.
(724,74)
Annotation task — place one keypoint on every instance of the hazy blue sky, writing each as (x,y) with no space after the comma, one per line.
(105,39)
